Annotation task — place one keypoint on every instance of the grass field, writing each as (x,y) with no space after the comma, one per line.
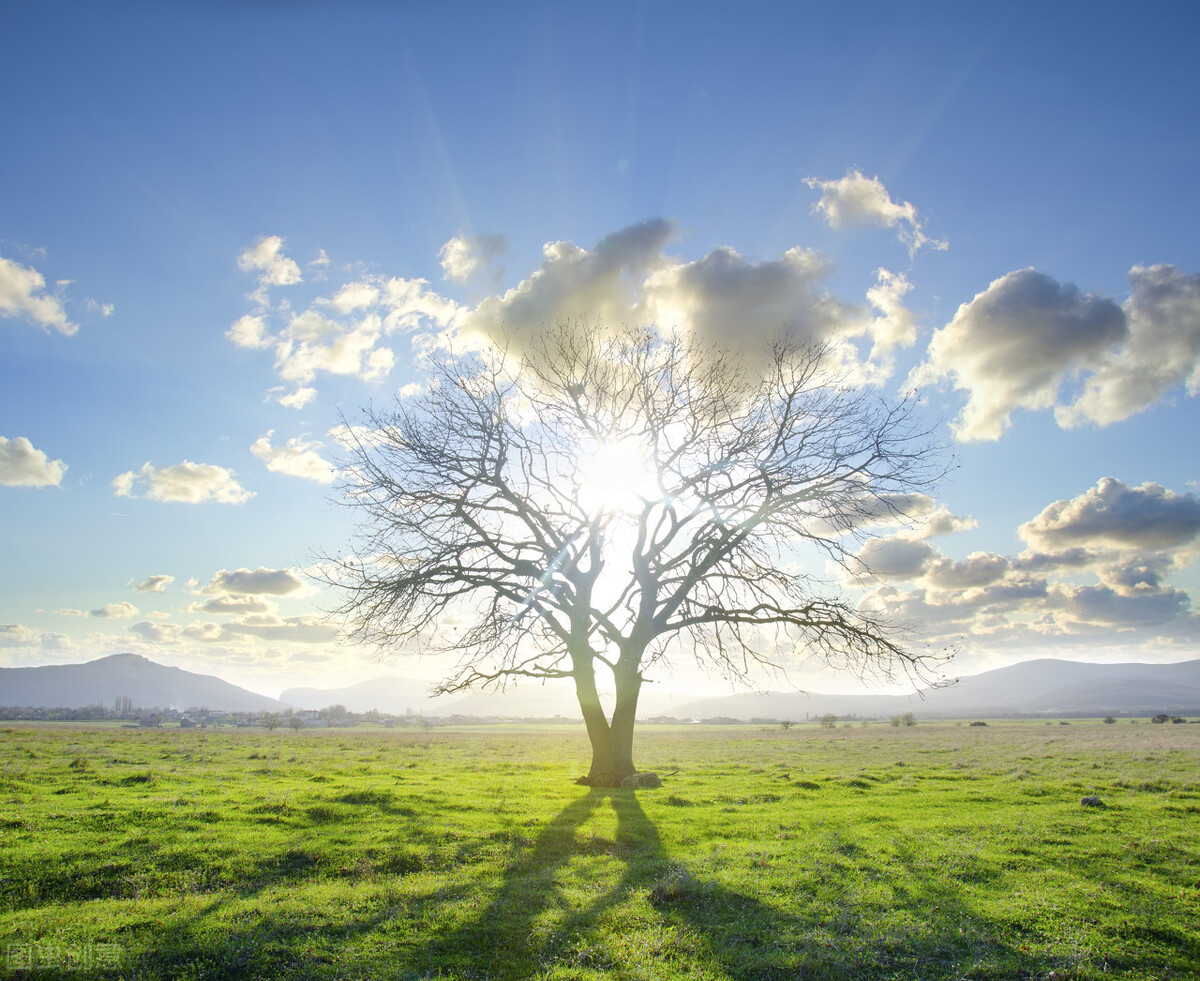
(939,851)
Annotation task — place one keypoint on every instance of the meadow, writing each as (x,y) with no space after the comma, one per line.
(940,851)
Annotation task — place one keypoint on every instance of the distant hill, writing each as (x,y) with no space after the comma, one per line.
(1041,687)
(149,685)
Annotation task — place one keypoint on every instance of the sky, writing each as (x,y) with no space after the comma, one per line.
(226,228)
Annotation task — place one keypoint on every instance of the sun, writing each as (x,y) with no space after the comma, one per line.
(615,476)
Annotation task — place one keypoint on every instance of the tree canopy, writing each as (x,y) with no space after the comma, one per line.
(604,500)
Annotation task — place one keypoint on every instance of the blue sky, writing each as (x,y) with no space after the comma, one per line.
(222,226)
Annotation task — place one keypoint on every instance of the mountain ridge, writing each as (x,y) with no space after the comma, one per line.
(149,684)
(1040,687)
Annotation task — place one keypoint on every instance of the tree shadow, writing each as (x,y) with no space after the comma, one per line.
(576,903)
(732,933)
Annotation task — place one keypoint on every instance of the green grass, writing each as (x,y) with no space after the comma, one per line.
(940,851)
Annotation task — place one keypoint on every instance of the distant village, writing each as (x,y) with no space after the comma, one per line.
(333,716)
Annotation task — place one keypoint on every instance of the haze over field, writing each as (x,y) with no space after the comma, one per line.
(1049,688)
(224,230)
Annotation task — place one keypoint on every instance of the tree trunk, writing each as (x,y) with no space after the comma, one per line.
(612,742)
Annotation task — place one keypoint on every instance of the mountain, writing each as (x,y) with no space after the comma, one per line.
(149,685)
(1040,687)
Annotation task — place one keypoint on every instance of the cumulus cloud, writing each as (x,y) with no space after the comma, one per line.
(154,584)
(859,200)
(21,465)
(119,610)
(297,399)
(204,631)
(305,629)
(575,284)
(352,296)
(187,482)
(275,582)
(1031,342)
(250,331)
(897,558)
(23,294)
(156,633)
(724,298)
(626,278)
(894,325)
(17,635)
(230,604)
(343,334)
(297,458)
(1161,353)
(1128,538)
(466,255)
(1013,344)
(1114,514)
(1104,606)
(266,258)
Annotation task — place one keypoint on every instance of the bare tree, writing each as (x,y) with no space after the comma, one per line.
(606,500)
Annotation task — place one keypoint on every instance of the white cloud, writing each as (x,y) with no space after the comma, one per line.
(204,631)
(1162,351)
(1106,607)
(304,629)
(411,303)
(1013,344)
(156,633)
(722,297)
(22,294)
(266,258)
(859,200)
(250,331)
(187,482)
(154,584)
(726,299)
(297,399)
(1113,514)
(897,558)
(23,466)
(312,343)
(297,458)
(893,325)
(230,604)
(465,255)
(118,611)
(275,582)
(573,284)
(1129,538)
(341,333)
(353,296)
(17,635)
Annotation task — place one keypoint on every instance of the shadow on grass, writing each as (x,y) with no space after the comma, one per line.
(577,905)
(678,922)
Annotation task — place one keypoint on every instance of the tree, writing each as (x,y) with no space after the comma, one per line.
(272,721)
(599,501)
